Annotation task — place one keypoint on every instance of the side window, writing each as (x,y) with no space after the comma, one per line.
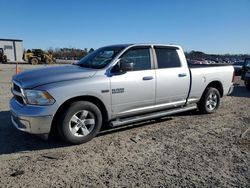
(167,58)
(140,57)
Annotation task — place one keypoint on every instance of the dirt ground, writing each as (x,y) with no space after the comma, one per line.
(184,150)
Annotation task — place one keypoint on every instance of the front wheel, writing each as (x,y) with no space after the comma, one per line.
(209,101)
(80,122)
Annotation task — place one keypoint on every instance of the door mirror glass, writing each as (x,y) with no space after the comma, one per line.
(122,66)
(126,65)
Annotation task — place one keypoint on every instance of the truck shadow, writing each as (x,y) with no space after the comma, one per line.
(109,130)
(14,141)
(240,91)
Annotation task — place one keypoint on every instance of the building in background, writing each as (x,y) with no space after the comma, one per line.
(13,49)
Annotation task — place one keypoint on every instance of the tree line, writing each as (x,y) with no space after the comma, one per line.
(69,53)
(76,54)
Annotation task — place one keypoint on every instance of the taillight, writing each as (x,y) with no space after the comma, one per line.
(234,77)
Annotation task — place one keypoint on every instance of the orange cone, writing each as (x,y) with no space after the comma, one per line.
(17,69)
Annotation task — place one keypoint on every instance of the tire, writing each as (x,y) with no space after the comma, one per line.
(209,101)
(80,122)
(48,61)
(34,61)
(3,59)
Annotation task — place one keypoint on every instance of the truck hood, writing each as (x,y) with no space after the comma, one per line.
(37,77)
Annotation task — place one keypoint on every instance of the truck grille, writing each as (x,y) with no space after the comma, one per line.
(19,99)
(17,92)
(16,88)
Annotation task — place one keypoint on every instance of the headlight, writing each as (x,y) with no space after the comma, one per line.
(36,97)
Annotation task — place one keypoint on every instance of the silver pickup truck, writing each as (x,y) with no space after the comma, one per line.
(115,85)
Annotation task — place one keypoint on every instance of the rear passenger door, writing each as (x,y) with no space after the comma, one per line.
(172,77)
(135,89)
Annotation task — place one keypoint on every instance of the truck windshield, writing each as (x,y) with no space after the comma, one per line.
(99,58)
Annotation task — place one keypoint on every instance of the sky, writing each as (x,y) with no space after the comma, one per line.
(211,26)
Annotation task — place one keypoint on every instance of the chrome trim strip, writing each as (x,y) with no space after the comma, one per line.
(14,92)
(18,93)
(15,82)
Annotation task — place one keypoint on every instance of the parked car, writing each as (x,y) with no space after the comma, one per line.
(238,67)
(115,85)
(245,68)
(247,80)
(197,62)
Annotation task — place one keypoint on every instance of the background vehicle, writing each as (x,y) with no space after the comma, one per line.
(37,56)
(247,80)
(3,58)
(245,68)
(238,67)
(115,85)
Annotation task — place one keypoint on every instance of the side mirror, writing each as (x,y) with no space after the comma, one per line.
(126,65)
(122,66)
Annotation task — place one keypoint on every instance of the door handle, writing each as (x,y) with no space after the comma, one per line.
(148,78)
(182,74)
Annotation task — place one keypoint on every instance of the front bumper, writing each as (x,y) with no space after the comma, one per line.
(31,119)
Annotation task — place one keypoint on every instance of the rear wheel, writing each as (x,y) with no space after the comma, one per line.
(80,122)
(210,101)
(48,61)
(34,61)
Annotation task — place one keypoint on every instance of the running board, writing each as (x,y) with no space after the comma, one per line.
(144,117)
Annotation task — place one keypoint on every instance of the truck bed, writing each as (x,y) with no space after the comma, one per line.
(207,65)
(202,75)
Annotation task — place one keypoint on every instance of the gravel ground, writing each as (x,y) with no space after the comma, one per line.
(184,150)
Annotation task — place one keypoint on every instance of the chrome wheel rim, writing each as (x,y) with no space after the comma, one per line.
(212,101)
(82,123)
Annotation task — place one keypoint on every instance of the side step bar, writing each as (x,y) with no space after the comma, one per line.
(144,117)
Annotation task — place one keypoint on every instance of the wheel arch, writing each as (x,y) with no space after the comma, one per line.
(91,99)
(217,85)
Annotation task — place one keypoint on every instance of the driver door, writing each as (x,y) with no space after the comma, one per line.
(133,90)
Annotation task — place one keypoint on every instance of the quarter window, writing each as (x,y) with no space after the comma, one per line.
(167,58)
(140,57)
